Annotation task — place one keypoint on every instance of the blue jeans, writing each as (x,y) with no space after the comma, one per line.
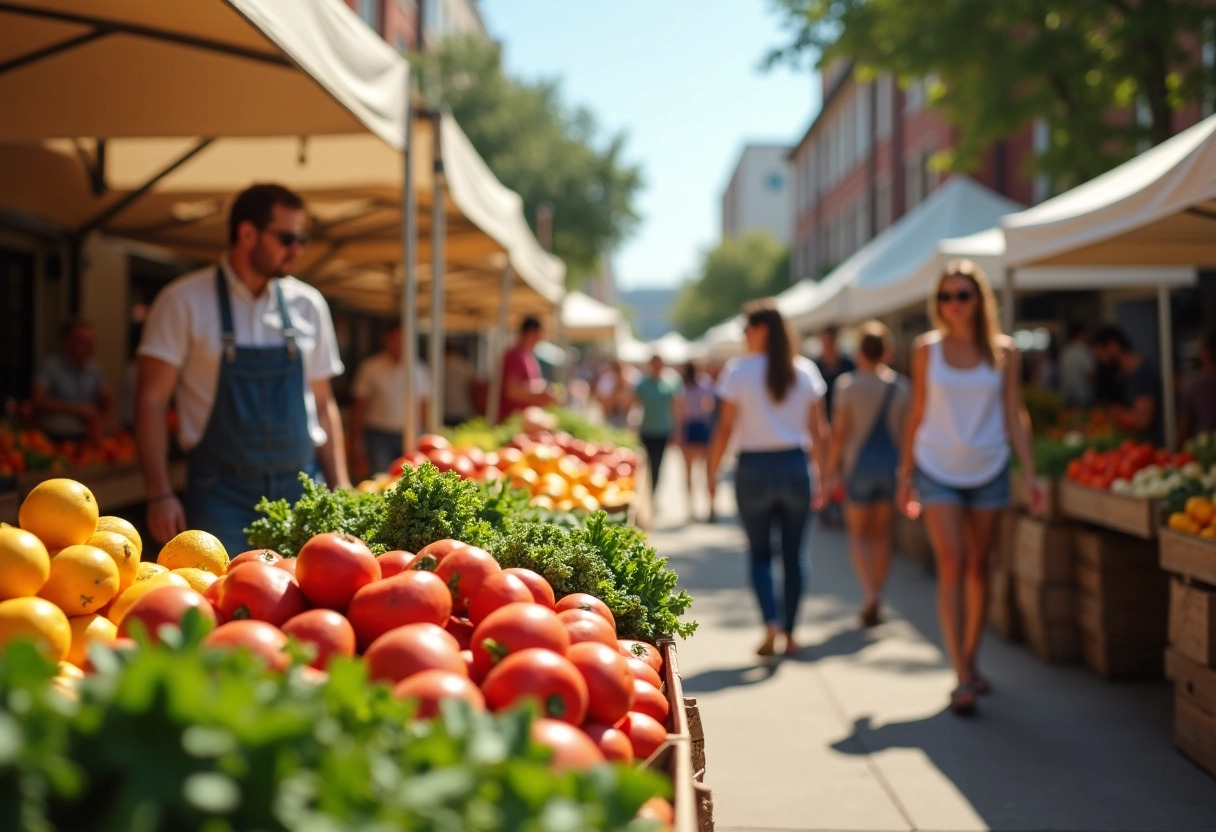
(383,448)
(773,488)
(223,503)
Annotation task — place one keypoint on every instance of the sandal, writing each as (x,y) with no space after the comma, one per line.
(962,700)
(870,616)
(791,646)
(769,646)
(980,685)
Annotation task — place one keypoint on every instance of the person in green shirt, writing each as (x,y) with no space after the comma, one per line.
(662,423)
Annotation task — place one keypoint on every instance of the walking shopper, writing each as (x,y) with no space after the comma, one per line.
(966,412)
(377,412)
(658,393)
(247,354)
(832,364)
(871,404)
(699,405)
(1199,397)
(772,400)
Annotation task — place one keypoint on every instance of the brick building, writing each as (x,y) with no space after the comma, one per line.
(397,21)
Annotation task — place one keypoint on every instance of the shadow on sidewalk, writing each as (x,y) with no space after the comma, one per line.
(711,681)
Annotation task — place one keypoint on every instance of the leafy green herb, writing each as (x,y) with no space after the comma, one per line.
(285,528)
(425,506)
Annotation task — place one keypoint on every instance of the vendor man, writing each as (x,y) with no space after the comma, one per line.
(1139,412)
(522,383)
(70,394)
(247,352)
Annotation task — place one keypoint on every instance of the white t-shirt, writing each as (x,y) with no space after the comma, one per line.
(183,329)
(381,382)
(760,423)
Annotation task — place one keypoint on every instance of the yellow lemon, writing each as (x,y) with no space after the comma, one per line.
(147,569)
(110,523)
(122,604)
(87,629)
(24,563)
(60,511)
(37,619)
(199,579)
(194,549)
(83,579)
(124,553)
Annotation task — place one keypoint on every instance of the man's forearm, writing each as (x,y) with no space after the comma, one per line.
(152,439)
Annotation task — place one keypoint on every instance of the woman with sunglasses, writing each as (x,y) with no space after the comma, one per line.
(965,414)
(772,401)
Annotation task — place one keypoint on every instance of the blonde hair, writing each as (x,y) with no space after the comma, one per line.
(986,324)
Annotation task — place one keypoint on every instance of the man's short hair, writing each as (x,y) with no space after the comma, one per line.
(1108,335)
(875,340)
(832,330)
(256,204)
(530,324)
(68,328)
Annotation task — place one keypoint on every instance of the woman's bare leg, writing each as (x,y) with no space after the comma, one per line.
(944,524)
(980,528)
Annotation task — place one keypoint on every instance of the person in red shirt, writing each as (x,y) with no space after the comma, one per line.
(522,384)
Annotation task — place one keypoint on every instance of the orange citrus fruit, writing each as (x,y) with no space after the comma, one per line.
(199,579)
(122,604)
(60,511)
(83,579)
(37,619)
(110,523)
(124,553)
(87,629)
(147,569)
(195,549)
(24,563)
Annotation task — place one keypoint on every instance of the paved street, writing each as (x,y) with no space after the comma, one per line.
(854,735)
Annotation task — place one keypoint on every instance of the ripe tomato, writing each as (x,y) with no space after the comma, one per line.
(408,598)
(394,562)
(583,601)
(400,653)
(1074,469)
(265,641)
(464,571)
(645,733)
(542,593)
(540,676)
(587,626)
(496,591)
(332,567)
(640,670)
(647,699)
(612,742)
(267,556)
(261,592)
(641,650)
(513,628)
(1161,457)
(461,630)
(609,682)
(430,687)
(467,657)
(430,555)
(124,648)
(327,631)
(572,749)
(288,565)
(213,592)
(432,441)
(165,606)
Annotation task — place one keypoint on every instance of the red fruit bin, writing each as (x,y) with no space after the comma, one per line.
(682,756)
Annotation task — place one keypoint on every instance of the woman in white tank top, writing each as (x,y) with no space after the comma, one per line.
(966,411)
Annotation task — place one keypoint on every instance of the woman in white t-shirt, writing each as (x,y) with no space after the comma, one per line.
(772,401)
(966,412)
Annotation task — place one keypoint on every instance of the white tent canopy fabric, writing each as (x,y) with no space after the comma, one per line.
(897,267)
(587,319)
(1158,208)
(722,341)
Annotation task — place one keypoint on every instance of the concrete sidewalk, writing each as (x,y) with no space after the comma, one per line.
(854,735)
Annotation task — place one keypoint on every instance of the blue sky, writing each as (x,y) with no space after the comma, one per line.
(681,79)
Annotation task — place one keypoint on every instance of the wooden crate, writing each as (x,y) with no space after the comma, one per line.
(1056,642)
(1002,611)
(1118,587)
(1122,657)
(1020,497)
(1042,551)
(682,756)
(1144,617)
(1001,557)
(1113,551)
(1189,555)
(114,486)
(1049,603)
(1191,680)
(1195,733)
(1193,621)
(1131,515)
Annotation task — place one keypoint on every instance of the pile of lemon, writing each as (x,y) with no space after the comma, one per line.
(68,575)
(1199,518)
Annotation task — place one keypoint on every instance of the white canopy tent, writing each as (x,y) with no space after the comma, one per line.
(722,341)
(589,320)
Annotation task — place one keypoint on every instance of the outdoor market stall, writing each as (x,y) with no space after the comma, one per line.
(589,320)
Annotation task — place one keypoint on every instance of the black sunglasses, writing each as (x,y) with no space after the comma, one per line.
(962,296)
(288,238)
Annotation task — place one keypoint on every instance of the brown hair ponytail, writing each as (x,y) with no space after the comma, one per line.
(778,346)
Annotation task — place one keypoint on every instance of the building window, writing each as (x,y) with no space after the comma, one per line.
(774,182)
(882,207)
(369,10)
(862,120)
(914,97)
(1041,136)
(885,92)
(917,178)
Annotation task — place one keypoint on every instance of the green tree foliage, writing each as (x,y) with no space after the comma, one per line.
(754,265)
(1084,66)
(539,147)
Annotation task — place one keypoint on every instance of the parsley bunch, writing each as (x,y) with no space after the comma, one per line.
(286,528)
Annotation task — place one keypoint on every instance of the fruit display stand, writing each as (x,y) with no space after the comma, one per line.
(1044,593)
(1135,516)
(1190,660)
(114,486)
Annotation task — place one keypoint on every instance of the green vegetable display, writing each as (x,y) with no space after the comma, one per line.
(184,739)
(480,434)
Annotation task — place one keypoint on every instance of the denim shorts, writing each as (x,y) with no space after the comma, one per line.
(991,496)
(868,486)
(696,433)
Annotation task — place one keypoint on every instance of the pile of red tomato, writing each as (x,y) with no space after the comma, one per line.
(447,622)
(1098,469)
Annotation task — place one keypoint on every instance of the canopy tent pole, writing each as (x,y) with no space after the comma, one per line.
(1165,333)
(438,237)
(504,308)
(409,288)
(1009,307)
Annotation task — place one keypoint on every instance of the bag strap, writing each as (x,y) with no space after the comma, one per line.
(881,417)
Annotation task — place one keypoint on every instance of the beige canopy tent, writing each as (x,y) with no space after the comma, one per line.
(589,320)
(302,92)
